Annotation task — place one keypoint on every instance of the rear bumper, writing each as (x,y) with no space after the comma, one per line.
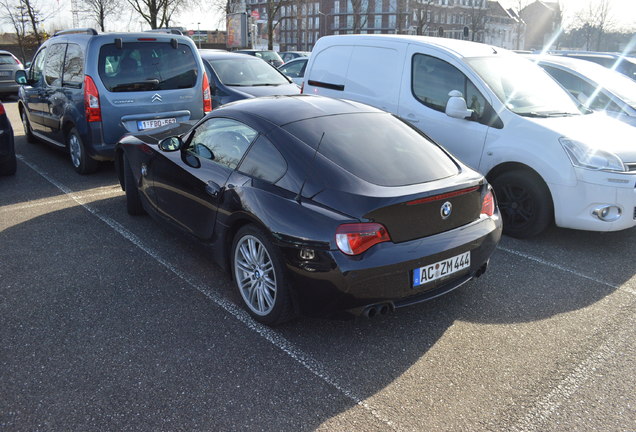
(96,147)
(384,274)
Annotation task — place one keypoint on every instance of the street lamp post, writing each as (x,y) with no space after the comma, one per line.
(199,34)
(326,15)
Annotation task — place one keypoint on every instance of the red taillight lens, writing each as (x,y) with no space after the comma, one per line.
(488,204)
(91,100)
(17,60)
(353,239)
(302,87)
(207,98)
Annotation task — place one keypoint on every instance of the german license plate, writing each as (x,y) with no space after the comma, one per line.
(441,269)
(151,124)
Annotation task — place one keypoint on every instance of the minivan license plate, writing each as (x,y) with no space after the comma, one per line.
(441,269)
(151,124)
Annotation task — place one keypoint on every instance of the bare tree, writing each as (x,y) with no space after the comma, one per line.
(26,17)
(99,10)
(422,15)
(16,17)
(477,17)
(594,21)
(360,13)
(158,13)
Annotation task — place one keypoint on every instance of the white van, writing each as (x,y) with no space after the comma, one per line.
(502,115)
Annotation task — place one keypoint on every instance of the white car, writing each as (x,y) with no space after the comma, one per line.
(500,114)
(596,87)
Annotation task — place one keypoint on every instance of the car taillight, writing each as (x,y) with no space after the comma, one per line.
(17,60)
(302,87)
(207,98)
(353,239)
(91,100)
(488,204)
(2,110)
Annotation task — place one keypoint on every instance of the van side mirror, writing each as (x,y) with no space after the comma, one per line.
(456,106)
(21,77)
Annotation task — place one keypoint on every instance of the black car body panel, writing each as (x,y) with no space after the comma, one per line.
(304,207)
(7,145)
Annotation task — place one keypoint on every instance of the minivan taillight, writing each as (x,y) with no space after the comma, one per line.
(91,100)
(353,239)
(207,98)
(488,204)
(2,110)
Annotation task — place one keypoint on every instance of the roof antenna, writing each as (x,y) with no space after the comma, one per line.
(308,169)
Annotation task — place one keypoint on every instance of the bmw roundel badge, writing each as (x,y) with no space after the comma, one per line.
(446,210)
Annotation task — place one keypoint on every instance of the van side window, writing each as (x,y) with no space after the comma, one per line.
(433,79)
(53,67)
(37,68)
(73,67)
(222,141)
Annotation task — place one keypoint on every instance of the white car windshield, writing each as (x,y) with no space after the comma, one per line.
(524,87)
(615,82)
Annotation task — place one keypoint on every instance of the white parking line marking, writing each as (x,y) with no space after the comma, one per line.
(267,333)
(53,201)
(567,270)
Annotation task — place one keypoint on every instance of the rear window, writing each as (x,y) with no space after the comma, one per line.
(247,71)
(147,66)
(376,147)
(7,59)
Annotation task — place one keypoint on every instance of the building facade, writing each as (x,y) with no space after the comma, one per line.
(543,20)
(504,28)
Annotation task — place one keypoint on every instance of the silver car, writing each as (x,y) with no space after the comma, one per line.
(8,65)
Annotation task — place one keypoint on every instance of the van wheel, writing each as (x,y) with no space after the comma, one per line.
(259,275)
(133,200)
(82,162)
(525,203)
(28,133)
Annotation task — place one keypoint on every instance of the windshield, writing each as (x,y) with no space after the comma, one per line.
(524,87)
(616,83)
(248,71)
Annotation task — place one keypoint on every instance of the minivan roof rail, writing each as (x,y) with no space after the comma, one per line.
(165,30)
(88,31)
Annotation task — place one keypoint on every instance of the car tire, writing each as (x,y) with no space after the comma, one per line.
(80,159)
(28,132)
(133,200)
(260,277)
(525,203)
(8,165)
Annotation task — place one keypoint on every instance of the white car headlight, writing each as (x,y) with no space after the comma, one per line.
(583,156)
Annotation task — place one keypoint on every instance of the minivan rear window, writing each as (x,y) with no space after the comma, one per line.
(376,147)
(147,66)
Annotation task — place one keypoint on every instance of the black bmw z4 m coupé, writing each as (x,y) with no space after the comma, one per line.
(316,205)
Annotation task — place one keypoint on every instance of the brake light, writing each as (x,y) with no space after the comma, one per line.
(207,98)
(2,110)
(488,204)
(91,100)
(443,196)
(302,87)
(353,239)
(17,60)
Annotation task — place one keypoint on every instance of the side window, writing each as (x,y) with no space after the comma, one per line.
(583,91)
(264,161)
(222,141)
(293,70)
(37,68)
(73,67)
(53,67)
(433,79)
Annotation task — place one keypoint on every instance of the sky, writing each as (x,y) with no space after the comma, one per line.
(623,12)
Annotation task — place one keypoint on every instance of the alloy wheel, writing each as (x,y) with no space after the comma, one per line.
(255,275)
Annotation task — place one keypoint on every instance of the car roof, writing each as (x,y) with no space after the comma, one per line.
(458,48)
(282,110)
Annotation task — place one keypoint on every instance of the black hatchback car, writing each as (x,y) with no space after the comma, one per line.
(316,204)
(8,162)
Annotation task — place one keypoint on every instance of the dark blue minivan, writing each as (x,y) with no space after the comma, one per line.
(85,90)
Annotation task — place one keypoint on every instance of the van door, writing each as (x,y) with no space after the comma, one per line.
(54,97)
(427,81)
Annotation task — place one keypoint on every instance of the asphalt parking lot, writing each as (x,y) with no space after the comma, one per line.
(111,322)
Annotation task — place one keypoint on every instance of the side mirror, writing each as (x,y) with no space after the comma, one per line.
(456,106)
(21,77)
(170,144)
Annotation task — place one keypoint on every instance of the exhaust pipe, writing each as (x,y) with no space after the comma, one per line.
(377,309)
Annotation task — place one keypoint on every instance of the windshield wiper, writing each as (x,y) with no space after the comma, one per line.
(533,114)
(265,85)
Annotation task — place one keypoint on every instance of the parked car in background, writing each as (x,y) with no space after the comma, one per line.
(315,204)
(8,162)
(621,63)
(500,114)
(239,76)
(295,69)
(290,55)
(595,86)
(9,64)
(270,57)
(84,90)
